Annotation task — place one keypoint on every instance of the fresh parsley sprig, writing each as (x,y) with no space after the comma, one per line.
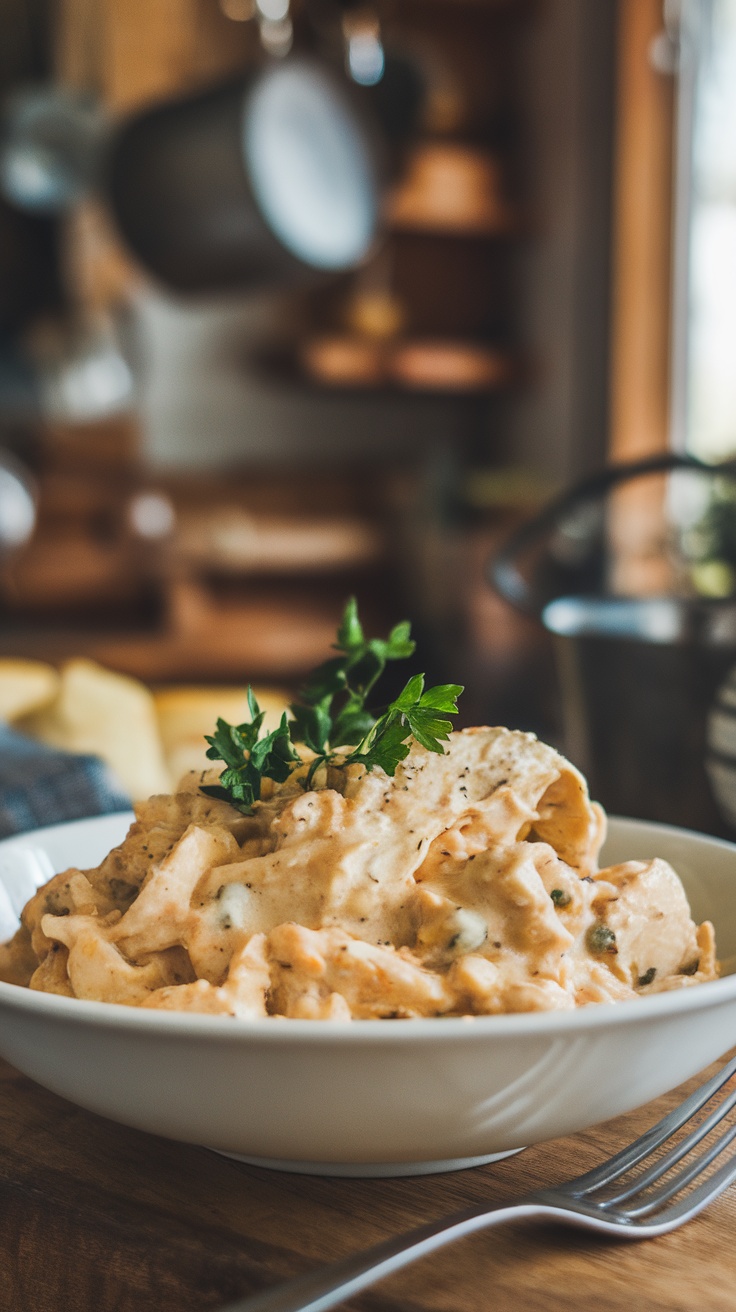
(414,714)
(250,758)
(332,709)
(331,717)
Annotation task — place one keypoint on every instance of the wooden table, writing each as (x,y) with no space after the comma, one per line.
(95,1217)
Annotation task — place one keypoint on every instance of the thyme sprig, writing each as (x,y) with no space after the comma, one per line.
(331,717)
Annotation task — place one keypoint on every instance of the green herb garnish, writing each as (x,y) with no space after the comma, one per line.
(560,897)
(331,711)
(249,758)
(647,977)
(601,939)
(331,719)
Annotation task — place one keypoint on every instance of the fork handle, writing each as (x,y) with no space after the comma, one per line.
(330,1285)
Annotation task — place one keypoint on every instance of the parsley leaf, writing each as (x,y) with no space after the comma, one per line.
(350,633)
(331,715)
(332,711)
(249,758)
(414,714)
(387,747)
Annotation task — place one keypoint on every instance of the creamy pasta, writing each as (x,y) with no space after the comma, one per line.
(467,884)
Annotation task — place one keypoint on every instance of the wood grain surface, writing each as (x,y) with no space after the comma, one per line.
(95,1217)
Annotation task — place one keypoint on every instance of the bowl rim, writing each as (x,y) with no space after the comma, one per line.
(81,1012)
(112,1015)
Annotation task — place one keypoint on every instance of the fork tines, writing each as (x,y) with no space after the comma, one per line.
(639,1189)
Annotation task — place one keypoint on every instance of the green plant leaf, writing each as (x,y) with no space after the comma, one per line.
(331,714)
(443,697)
(249,758)
(388,748)
(350,633)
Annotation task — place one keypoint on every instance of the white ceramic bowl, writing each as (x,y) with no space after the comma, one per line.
(379,1097)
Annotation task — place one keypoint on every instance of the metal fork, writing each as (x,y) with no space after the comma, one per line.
(609,1199)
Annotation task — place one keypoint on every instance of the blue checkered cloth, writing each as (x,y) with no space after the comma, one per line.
(43,786)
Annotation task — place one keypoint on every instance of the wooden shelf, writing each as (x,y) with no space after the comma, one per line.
(342,364)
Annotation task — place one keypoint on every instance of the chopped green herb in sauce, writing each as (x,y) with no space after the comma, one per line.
(601,940)
(560,897)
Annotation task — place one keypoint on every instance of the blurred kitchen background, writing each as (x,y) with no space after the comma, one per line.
(219,452)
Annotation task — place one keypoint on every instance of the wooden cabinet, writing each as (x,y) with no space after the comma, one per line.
(514,313)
